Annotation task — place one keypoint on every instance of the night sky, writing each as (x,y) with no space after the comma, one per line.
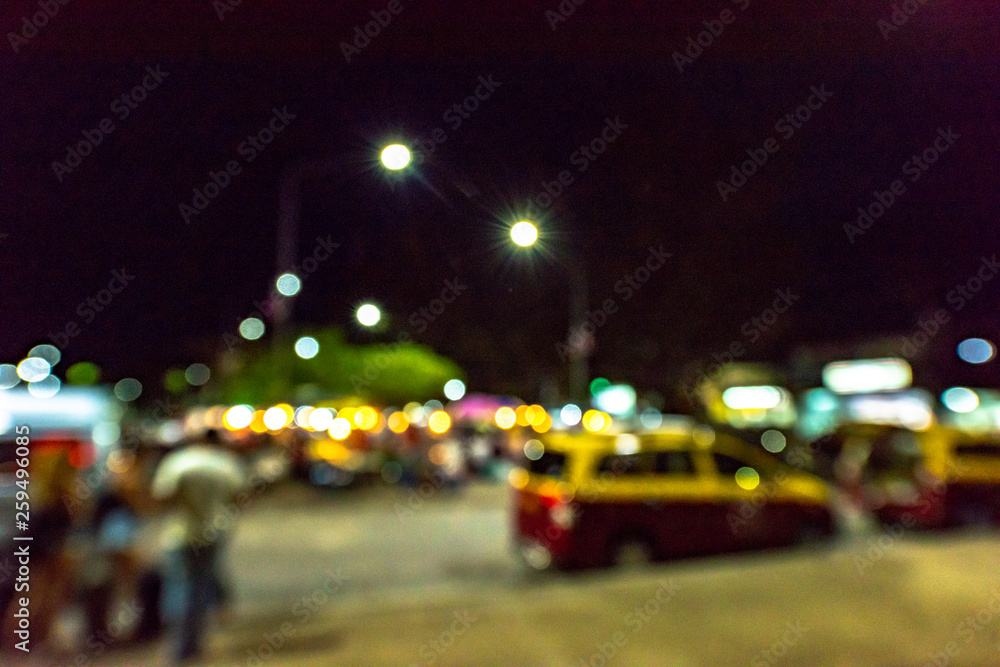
(552,91)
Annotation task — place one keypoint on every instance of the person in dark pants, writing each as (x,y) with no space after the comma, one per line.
(201,479)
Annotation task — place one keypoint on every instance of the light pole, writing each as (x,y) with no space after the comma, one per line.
(524,233)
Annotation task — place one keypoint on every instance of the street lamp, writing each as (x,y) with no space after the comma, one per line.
(395,157)
(368,314)
(524,233)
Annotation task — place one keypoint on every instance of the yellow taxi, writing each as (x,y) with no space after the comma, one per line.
(584,500)
(968,465)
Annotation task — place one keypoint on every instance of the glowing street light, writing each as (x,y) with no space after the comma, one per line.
(369,315)
(395,157)
(524,233)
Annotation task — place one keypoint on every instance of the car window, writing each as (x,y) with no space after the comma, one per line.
(674,463)
(979,449)
(626,464)
(726,464)
(552,464)
(647,463)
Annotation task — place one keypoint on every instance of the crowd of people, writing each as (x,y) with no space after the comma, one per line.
(139,550)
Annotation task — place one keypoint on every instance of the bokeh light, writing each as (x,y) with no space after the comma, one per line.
(703,435)
(597,385)
(747,478)
(960,399)
(596,421)
(197,374)
(257,424)
(81,373)
(651,419)
(518,478)
(275,418)
(505,418)
(752,398)
(976,350)
(33,369)
(392,471)
(368,314)
(238,417)
(288,284)
(128,389)
(524,233)
(398,423)
(8,376)
(365,418)
(174,381)
(302,416)
(439,421)
(541,420)
(772,440)
(307,347)
(49,353)
(395,157)
(454,389)
(570,414)
(321,419)
(46,387)
(251,328)
(533,449)
(339,429)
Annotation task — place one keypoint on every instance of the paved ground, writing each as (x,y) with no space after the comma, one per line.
(331,579)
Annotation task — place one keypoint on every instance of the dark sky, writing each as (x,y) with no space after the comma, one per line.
(401,239)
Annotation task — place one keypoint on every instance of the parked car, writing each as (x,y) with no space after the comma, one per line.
(886,470)
(600,499)
(968,466)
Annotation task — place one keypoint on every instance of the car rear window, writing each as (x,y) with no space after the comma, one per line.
(979,449)
(726,464)
(551,464)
